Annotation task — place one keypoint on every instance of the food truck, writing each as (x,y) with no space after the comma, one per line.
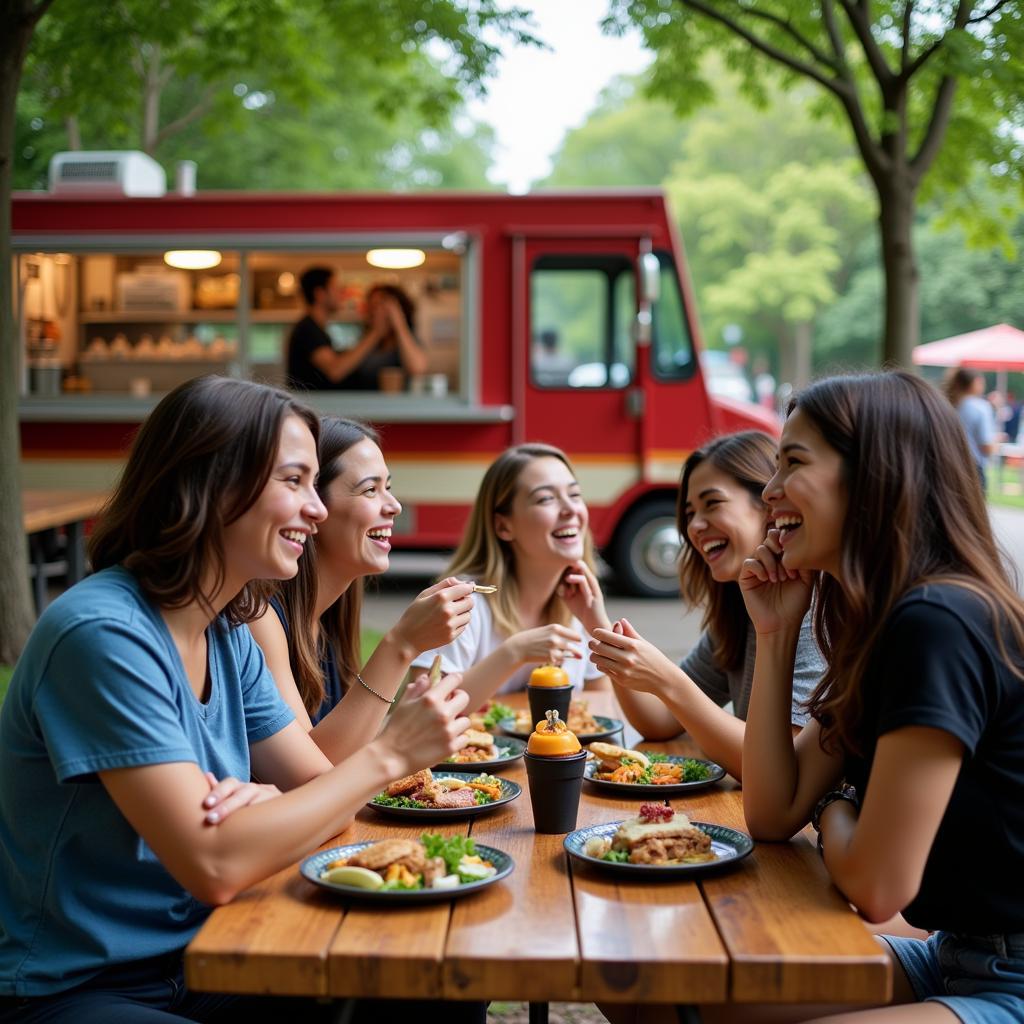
(559,317)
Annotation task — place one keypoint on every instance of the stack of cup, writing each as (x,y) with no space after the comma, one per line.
(554,766)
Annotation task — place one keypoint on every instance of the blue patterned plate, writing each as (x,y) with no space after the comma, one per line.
(728,844)
(311,867)
(509,750)
(606,729)
(643,789)
(509,792)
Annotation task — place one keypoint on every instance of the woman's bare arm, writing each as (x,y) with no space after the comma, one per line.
(164,802)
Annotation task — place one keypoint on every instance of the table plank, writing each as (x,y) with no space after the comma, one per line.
(516,940)
(46,509)
(272,940)
(790,935)
(378,952)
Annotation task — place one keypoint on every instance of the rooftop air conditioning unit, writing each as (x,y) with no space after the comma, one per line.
(107,173)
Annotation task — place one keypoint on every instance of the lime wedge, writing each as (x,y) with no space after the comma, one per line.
(358,878)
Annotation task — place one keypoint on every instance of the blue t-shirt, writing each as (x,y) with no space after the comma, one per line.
(979,420)
(100,685)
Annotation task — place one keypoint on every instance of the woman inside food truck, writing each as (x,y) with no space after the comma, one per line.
(386,350)
(721,518)
(310,634)
(142,678)
(912,765)
(528,537)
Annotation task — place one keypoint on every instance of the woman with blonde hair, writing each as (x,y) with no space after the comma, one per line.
(721,518)
(527,536)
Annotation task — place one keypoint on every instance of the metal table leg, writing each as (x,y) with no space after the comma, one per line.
(75,552)
(538,1013)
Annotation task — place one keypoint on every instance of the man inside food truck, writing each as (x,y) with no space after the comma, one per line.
(386,351)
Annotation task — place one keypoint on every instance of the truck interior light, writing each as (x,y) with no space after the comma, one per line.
(192,259)
(395,259)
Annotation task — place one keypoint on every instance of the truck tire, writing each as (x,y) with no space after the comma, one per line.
(645,550)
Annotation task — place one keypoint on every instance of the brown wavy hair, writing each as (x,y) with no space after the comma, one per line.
(198,463)
(749,458)
(916,515)
(339,624)
(485,557)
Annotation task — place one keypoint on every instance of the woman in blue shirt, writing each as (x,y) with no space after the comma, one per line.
(144,677)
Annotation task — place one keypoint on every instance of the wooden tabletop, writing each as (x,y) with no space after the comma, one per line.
(45,509)
(770,929)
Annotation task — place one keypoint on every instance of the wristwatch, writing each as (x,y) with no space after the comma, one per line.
(844,792)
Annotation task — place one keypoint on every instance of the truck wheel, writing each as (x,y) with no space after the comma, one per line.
(645,551)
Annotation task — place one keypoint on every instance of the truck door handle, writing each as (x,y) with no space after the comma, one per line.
(635,402)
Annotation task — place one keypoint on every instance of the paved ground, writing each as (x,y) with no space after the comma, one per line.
(663,621)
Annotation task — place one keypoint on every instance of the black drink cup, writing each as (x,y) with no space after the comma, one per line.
(547,698)
(555,786)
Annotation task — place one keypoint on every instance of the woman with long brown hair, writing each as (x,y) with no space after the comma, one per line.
(143,679)
(721,518)
(912,766)
(527,536)
(310,635)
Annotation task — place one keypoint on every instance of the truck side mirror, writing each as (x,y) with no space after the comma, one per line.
(650,277)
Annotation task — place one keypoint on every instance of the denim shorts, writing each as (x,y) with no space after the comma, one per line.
(980,978)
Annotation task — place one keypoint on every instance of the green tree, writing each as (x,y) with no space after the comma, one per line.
(963,288)
(926,88)
(121,61)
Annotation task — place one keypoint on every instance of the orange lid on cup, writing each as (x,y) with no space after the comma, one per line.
(549,675)
(552,738)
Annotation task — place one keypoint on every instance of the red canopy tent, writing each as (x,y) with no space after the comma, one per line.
(997,348)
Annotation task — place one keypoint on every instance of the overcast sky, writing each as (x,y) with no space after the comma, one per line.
(538,94)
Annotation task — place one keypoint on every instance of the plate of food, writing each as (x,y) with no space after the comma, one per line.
(659,842)
(647,773)
(447,795)
(423,870)
(587,727)
(484,752)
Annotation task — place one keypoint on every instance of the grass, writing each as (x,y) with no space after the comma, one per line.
(368,640)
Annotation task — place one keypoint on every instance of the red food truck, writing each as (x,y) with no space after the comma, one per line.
(556,317)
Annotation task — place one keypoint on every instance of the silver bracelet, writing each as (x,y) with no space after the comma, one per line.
(379,696)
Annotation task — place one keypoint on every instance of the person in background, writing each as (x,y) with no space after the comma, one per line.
(966,389)
(721,518)
(528,536)
(141,682)
(912,766)
(387,339)
(1011,425)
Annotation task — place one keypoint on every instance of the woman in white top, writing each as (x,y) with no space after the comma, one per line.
(528,536)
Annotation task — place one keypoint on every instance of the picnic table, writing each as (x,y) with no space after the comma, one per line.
(44,510)
(770,929)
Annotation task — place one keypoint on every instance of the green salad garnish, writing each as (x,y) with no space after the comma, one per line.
(396,801)
(617,856)
(496,714)
(450,848)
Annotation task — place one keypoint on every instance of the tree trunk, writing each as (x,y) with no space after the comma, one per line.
(902,324)
(16,613)
(795,354)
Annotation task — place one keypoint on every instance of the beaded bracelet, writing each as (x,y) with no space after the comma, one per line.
(379,696)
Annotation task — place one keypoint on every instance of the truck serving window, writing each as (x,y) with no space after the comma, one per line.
(672,356)
(581,313)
